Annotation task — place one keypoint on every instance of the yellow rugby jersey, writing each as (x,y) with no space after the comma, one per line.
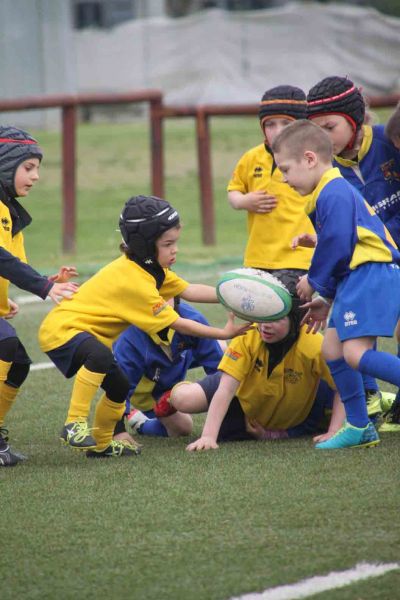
(119,295)
(14,245)
(270,234)
(284,399)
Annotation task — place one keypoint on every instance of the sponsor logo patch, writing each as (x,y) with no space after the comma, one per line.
(157,308)
(292,376)
(389,172)
(232,354)
(5,223)
(350,318)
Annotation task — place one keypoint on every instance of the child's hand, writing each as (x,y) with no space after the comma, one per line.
(304,289)
(306,240)
(203,443)
(324,436)
(62,290)
(259,202)
(64,275)
(14,309)
(316,315)
(232,330)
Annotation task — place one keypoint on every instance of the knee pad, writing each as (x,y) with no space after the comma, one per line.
(116,384)
(17,374)
(8,349)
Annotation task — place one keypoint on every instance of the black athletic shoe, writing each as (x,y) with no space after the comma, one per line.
(116,449)
(7,457)
(78,436)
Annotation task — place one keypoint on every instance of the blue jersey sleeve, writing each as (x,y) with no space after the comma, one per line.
(336,231)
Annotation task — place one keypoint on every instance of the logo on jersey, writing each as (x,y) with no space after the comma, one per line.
(350,318)
(258,365)
(6,224)
(388,170)
(157,308)
(258,172)
(232,354)
(292,376)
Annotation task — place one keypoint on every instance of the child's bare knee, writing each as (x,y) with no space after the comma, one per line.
(181,395)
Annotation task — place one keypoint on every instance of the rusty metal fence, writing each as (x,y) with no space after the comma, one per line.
(157,113)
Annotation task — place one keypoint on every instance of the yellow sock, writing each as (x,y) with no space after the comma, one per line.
(85,387)
(5,404)
(107,415)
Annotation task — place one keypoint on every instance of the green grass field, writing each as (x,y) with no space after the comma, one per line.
(169,524)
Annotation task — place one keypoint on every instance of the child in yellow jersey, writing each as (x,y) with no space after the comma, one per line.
(275,211)
(272,383)
(132,290)
(20,158)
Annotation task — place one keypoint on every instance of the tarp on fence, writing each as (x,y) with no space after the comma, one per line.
(218,56)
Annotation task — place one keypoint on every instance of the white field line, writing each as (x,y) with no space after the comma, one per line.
(321,583)
(31,299)
(43,365)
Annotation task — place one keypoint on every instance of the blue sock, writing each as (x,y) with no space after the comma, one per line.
(153,427)
(369,381)
(350,386)
(381,365)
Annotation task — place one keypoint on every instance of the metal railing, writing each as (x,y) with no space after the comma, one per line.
(157,113)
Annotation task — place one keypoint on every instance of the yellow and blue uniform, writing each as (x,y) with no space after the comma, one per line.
(119,295)
(283,398)
(270,234)
(355,260)
(376,175)
(151,370)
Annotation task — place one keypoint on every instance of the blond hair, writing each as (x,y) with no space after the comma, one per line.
(302,135)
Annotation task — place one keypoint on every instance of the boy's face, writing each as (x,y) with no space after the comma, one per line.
(273,127)
(26,175)
(275,331)
(338,128)
(167,247)
(299,174)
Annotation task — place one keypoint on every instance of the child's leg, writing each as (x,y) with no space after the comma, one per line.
(12,376)
(91,361)
(8,352)
(348,382)
(387,367)
(109,412)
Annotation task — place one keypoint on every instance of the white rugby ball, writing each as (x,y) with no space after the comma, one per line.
(254,295)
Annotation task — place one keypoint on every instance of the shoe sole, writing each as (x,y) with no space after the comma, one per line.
(366,445)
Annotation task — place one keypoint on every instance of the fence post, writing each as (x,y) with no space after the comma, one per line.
(205,175)
(157,147)
(69,178)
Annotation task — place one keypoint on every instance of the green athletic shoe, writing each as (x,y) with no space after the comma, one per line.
(374,404)
(387,400)
(351,437)
(391,419)
(116,449)
(77,435)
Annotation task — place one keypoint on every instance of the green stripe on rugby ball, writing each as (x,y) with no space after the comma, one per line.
(283,295)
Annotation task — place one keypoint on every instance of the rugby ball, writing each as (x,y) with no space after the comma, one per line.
(254,295)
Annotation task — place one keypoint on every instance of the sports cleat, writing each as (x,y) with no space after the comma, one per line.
(387,401)
(136,419)
(374,404)
(391,419)
(77,435)
(163,408)
(8,458)
(116,449)
(351,437)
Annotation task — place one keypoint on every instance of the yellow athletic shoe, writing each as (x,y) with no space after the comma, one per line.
(391,419)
